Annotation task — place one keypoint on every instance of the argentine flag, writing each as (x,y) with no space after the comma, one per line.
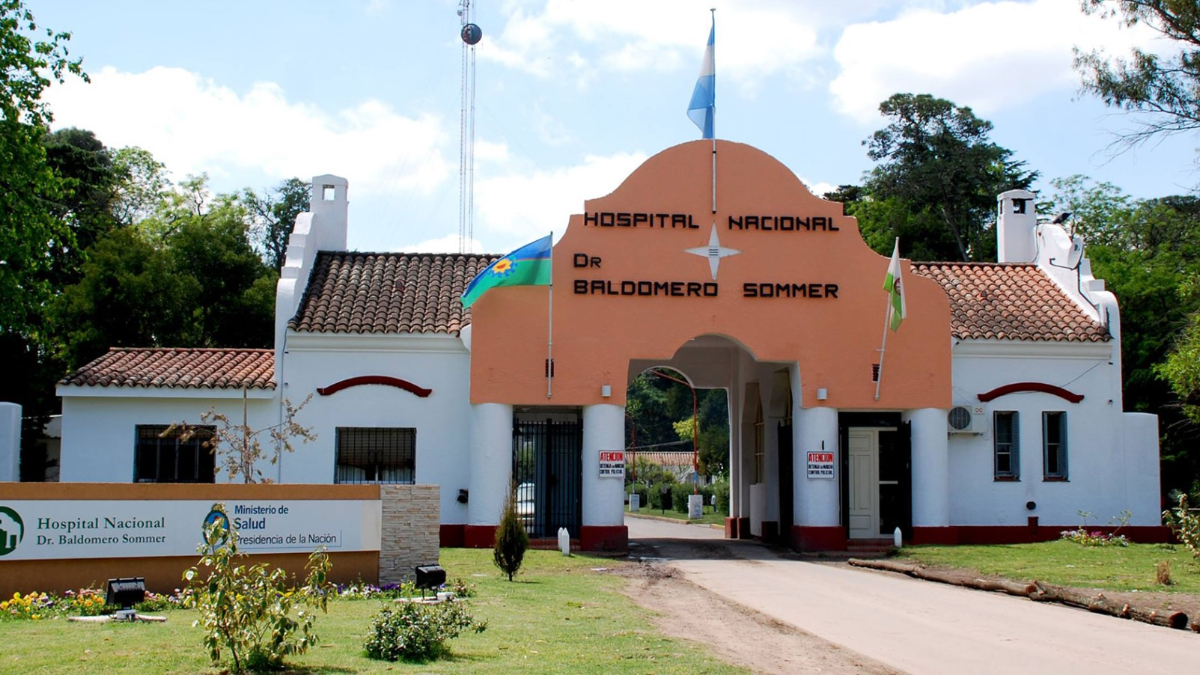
(703,107)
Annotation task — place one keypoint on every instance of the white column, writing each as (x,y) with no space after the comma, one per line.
(491,461)
(603,498)
(930,468)
(816,500)
(10,442)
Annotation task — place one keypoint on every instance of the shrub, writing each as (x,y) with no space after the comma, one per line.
(679,496)
(1185,525)
(660,496)
(721,491)
(418,631)
(248,610)
(511,539)
(1162,572)
(643,494)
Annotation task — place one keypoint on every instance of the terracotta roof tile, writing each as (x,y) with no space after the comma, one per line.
(179,369)
(661,457)
(388,293)
(1009,302)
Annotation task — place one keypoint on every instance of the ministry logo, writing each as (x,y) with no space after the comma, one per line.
(12,530)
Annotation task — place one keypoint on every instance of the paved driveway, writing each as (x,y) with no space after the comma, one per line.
(915,626)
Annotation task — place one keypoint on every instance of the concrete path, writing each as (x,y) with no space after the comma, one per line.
(915,626)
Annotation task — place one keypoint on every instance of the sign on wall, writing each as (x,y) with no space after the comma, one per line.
(612,464)
(820,465)
(46,530)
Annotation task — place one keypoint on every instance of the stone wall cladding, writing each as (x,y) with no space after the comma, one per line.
(411,521)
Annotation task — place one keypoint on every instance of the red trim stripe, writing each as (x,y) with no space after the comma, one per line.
(1031,386)
(374,379)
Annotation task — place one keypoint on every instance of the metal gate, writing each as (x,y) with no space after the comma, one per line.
(547,470)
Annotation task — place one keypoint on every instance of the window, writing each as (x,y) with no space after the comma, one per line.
(160,457)
(1007,445)
(376,455)
(1054,445)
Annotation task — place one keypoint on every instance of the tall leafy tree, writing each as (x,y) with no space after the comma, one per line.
(1166,90)
(936,182)
(185,277)
(30,190)
(274,215)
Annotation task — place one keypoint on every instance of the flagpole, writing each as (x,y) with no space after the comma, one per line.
(887,319)
(714,119)
(550,322)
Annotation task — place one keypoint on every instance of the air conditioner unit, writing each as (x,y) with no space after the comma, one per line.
(967,420)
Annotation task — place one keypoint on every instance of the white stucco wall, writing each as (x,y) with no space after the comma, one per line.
(1112,465)
(99,429)
(441,420)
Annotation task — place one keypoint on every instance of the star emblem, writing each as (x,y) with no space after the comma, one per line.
(714,251)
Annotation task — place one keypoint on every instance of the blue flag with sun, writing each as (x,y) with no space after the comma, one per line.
(526,266)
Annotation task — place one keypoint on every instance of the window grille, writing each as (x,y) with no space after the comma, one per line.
(160,458)
(1054,445)
(1007,445)
(376,455)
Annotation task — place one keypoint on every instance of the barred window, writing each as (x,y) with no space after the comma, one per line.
(160,458)
(376,455)
(1054,445)
(1006,445)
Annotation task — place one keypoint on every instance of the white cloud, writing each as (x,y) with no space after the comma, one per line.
(987,56)
(518,208)
(754,37)
(192,124)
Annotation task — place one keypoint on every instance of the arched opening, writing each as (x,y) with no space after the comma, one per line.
(750,474)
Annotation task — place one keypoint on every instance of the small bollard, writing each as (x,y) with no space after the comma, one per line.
(896,538)
(564,541)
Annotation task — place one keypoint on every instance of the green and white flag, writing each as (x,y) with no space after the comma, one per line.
(891,284)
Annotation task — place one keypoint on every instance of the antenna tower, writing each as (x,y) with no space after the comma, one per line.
(471,34)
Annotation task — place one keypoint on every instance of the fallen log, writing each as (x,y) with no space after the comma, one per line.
(1169,618)
(1020,588)
(886,565)
(1102,605)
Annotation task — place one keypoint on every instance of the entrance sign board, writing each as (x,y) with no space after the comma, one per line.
(54,530)
(820,465)
(612,464)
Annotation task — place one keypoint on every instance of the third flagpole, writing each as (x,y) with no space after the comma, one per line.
(550,325)
(887,319)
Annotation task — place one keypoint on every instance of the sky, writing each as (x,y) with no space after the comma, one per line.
(572,95)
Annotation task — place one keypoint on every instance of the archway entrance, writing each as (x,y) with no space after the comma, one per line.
(759,456)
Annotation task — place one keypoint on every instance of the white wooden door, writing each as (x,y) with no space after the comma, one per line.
(864,484)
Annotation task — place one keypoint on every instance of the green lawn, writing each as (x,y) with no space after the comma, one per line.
(560,616)
(1115,568)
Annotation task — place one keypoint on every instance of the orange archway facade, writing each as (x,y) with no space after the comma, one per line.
(652,265)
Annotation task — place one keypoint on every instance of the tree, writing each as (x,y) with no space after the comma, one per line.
(274,215)
(938,178)
(512,541)
(143,185)
(186,277)
(128,296)
(1166,90)
(29,188)
(242,443)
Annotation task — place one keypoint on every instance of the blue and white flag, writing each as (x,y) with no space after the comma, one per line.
(703,107)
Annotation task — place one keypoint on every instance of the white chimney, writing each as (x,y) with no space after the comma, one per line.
(1016,222)
(329,206)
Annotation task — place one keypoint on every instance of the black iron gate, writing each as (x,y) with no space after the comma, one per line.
(548,472)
